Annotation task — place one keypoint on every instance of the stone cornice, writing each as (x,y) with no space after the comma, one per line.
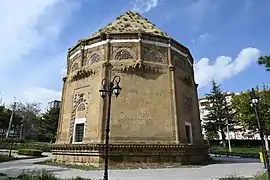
(131,36)
(97,147)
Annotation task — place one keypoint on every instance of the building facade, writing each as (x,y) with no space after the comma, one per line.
(54,104)
(238,131)
(156,117)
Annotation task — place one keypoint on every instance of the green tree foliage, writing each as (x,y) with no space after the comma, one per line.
(48,123)
(28,113)
(219,112)
(265,60)
(245,113)
(5,114)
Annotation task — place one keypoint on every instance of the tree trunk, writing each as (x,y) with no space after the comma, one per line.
(21,131)
(223,138)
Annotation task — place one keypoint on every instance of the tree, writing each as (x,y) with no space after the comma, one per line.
(4,119)
(28,114)
(264,60)
(220,112)
(245,113)
(48,123)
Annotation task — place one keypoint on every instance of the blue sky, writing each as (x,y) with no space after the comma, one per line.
(225,38)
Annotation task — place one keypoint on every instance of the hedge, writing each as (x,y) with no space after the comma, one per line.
(31,145)
(243,155)
(29,152)
(238,143)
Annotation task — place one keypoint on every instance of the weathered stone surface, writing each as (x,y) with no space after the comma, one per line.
(158,99)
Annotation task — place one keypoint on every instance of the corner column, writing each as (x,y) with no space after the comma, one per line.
(105,74)
(174,117)
(60,119)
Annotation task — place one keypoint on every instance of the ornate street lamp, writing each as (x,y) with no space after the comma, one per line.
(112,88)
(254,100)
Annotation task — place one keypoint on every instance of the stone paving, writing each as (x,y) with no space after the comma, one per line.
(233,166)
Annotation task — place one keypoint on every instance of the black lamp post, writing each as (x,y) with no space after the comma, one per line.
(254,100)
(110,89)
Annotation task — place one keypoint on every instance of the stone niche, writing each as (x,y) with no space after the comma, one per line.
(154,120)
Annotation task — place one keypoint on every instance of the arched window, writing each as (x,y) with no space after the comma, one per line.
(75,67)
(81,107)
(94,58)
(123,54)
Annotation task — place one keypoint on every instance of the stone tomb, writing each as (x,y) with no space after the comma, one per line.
(154,120)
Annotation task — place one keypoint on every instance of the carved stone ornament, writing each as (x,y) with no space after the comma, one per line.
(188,80)
(81,107)
(156,56)
(75,67)
(178,62)
(81,74)
(137,66)
(123,54)
(78,99)
(94,58)
(187,103)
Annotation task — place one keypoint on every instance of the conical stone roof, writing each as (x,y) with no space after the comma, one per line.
(130,22)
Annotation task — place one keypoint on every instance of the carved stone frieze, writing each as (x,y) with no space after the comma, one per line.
(74,67)
(123,54)
(187,80)
(82,74)
(178,62)
(137,66)
(187,103)
(154,55)
(94,58)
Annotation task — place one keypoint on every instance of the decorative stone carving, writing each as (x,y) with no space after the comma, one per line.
(137,67)
(74,67)
(154,55)
(94,58)
(123,54)
(179,63)
(187,103)
(81,107)
(81,74)
(78,99)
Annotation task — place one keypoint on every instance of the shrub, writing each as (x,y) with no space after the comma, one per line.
(29,152)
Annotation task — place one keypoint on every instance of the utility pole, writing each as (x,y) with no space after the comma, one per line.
(11,118)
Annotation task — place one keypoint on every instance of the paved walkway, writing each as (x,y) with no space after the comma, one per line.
(233,166)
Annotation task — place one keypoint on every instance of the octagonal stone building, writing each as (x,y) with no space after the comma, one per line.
(155,119)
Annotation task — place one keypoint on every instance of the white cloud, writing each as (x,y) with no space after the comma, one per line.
(39,94)
(28,27)
(224,67)
(206,37)
(143,6)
